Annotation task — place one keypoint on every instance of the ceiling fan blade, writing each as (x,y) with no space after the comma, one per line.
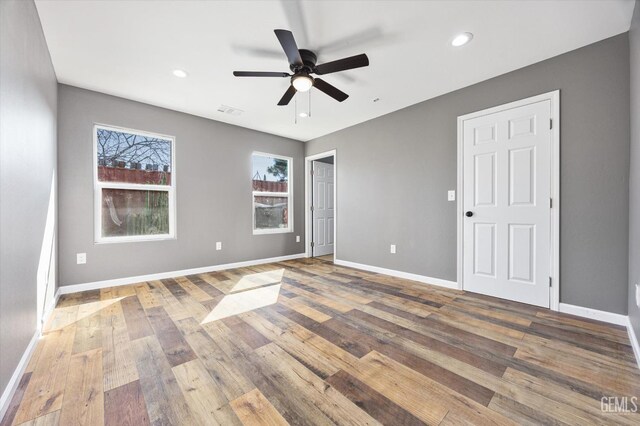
(295,19)
(372,36)
(289,46)
(260,74)
(343,64)
(256,51)
(330,90)
(288,95)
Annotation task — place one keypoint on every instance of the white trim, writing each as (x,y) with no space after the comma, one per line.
(74,288)
(99,186)
(268,231)
(49,309)
(288,194)
(459,205)
(308,160)
(595,314)
(554,299)
(634,341)
(406,275)
(554,98)
(12,386)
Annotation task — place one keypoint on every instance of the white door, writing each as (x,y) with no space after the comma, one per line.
(323,209)
(507,187)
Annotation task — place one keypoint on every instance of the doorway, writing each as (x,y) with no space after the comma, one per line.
(509,201)
(320,200)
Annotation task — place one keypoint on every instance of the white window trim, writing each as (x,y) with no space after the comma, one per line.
(288,194)
(99,186)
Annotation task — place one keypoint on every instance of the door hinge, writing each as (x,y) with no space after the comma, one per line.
(551,123)
(311,172)
(312,244)
(550,282)
(311,208)
(550,203)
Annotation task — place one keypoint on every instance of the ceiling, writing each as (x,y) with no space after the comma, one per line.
(130,48)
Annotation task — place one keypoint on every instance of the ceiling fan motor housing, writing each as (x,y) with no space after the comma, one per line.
(309,60)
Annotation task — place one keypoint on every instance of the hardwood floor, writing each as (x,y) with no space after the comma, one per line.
(306,342)
(326,257)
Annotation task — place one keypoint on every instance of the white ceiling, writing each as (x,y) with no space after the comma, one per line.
(130,48)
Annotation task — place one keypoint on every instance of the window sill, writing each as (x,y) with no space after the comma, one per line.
(117,240)
(272,231)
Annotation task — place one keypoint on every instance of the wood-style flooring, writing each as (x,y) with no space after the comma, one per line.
(306,342)
(326,257)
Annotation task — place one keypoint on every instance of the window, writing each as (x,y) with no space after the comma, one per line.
(135,182)
(272,206)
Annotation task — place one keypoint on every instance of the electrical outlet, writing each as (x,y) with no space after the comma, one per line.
(297,238)
(451,195)
(392,249)
(638,295)
(219,245)
(81,258)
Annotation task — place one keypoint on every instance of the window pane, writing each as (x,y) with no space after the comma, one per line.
(270,174)
(271,212)
(127,212)
(130,158)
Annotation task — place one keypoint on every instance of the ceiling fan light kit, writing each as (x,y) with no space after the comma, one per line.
(302,63)
(302,82)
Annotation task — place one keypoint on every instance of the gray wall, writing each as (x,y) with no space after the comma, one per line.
(394,172)
(213,177)
(27,164)
(634,176)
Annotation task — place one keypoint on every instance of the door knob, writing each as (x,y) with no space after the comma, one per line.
(468,214)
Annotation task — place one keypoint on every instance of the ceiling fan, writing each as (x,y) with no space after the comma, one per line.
(302,63)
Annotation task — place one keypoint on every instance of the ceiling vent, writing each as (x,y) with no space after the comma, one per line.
(230,110)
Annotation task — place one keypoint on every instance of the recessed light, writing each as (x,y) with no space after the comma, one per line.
(180,73)
(303,115)
(461,39)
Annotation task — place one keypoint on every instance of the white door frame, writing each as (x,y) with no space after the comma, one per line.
(308,186)
(554,97)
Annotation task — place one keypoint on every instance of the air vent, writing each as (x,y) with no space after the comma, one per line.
(230,110)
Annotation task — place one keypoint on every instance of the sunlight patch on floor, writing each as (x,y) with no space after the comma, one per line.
(63,317)
(237,303)
(258,280)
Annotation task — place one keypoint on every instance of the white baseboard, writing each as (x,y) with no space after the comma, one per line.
(12,386)
(634,341)
(406,275)
(10,390)
(75,288)
(595,314)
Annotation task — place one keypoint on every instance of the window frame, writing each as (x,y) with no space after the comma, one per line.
(99,186)
(288,194)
